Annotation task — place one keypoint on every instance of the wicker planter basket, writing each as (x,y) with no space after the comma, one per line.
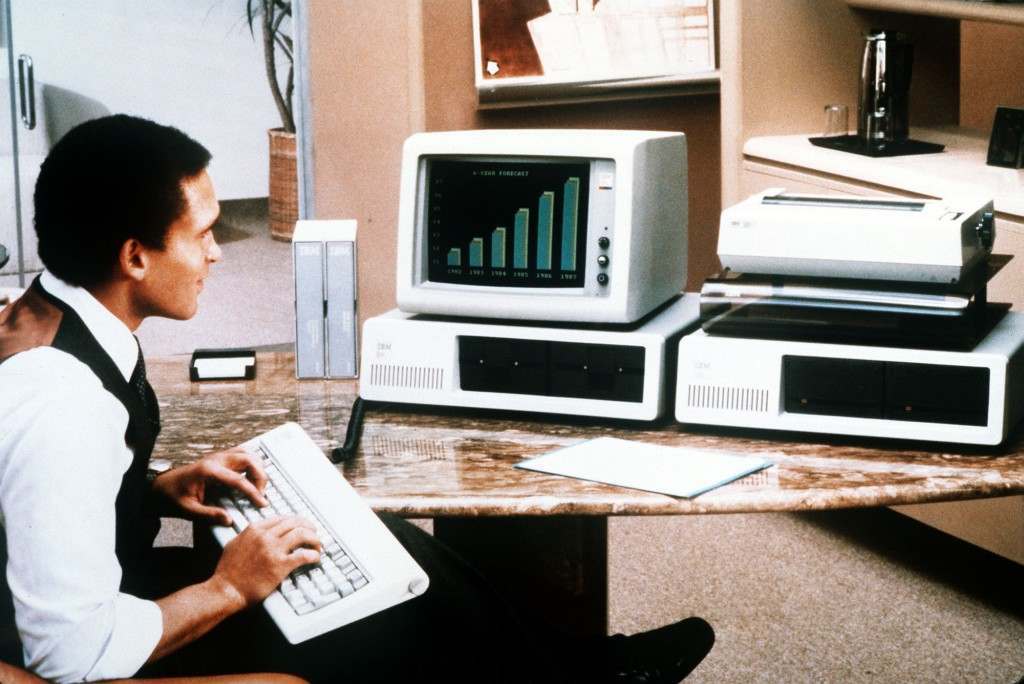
(284,184)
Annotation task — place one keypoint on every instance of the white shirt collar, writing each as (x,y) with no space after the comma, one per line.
(112,334)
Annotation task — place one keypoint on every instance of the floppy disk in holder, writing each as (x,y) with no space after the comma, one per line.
(222,364)
(895,239)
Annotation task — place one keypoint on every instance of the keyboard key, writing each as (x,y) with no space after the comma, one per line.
(304,608)
(238,520)
(320,580)
(307,587)
(325,599)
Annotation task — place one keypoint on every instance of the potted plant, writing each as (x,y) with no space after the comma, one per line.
(273,20)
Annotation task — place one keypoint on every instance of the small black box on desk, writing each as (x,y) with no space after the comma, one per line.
(222,364)
(1006,145)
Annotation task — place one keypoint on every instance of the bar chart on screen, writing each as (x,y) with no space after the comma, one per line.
(523,223)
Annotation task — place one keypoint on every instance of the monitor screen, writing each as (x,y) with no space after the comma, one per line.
(515,222)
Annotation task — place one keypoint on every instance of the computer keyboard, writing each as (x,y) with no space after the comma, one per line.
(362,569)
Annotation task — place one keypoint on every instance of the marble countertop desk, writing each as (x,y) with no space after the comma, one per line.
(421,462)
(543,539)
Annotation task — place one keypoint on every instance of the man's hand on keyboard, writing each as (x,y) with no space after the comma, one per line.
(261,556)
(186,486)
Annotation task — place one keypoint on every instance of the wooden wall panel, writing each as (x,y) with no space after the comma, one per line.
(991,71)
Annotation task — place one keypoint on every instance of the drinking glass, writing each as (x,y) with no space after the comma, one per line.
(836,120)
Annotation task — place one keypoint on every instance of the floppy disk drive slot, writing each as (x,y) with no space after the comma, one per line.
(930,393)
(555,369)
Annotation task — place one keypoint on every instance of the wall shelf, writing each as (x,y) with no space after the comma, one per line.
(971,10)
(531,92)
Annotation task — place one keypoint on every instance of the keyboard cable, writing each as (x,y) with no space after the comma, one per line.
(353,432)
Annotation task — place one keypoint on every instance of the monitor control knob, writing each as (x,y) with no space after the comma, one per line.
(603,242)
(986,230)
(602,260)
(602,278)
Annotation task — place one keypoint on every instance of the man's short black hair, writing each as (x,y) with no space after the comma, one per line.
(107,181)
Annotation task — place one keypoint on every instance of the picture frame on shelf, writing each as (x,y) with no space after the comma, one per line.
(1006,144)
(534,52)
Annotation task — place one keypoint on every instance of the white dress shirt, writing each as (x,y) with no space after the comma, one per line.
(62,457)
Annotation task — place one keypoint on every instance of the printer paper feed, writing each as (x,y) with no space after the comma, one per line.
(666,470)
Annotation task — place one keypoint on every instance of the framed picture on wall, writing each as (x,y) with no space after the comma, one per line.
(552,51)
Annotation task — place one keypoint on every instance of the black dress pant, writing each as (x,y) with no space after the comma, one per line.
(459,630)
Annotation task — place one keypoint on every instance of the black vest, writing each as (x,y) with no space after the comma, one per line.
(136,526)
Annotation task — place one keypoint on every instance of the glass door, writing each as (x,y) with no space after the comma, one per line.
(194,65)
(11,194)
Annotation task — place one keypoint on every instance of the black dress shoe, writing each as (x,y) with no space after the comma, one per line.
(661,656)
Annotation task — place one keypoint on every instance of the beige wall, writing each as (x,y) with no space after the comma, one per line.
(366,99)
(991,71)
(379,72)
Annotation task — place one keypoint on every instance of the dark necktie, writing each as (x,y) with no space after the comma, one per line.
(144,392)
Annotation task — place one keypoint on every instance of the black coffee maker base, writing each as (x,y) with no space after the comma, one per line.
(856,145)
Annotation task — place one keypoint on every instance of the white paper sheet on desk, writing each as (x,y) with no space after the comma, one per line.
(677,471)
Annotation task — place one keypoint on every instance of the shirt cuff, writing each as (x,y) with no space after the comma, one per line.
(138,626)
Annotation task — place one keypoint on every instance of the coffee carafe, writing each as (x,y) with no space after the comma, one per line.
(884,88)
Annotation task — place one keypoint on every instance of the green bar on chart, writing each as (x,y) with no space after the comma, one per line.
(454,256)
(570,217)
(498,248)
(521,236)
(545,224)
(476,253)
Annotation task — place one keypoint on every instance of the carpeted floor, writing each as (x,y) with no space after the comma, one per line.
(839,596)
(836,596)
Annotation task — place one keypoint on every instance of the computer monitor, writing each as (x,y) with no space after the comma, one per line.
(547,225)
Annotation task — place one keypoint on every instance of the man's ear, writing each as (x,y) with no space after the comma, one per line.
(133,259)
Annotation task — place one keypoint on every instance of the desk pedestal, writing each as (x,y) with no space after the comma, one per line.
(552,569)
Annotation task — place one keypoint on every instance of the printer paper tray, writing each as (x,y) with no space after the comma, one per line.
(850,323)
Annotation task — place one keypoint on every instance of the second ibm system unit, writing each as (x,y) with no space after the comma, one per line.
(967,397)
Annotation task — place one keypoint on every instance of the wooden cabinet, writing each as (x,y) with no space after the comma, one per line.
(783,61)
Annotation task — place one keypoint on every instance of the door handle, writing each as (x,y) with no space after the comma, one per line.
(27,91)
